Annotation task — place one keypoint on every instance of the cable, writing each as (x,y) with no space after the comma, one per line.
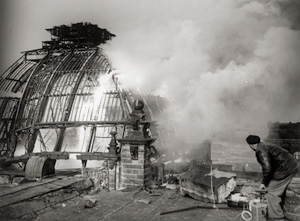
(122,206)
(249,215)
(231,218)
(219,211)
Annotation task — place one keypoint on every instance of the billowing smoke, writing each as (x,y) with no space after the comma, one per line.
(223,63)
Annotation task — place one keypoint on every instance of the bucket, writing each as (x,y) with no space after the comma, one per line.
(38,167)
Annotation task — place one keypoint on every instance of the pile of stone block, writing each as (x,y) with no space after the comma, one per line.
(204,184)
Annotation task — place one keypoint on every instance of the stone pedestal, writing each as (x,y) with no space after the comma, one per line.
(113,175)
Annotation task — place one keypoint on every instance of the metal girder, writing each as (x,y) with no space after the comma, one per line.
(35,105)
(7,119)
(42,101)
(64,124)
(23,101)
(57,155)
(70,103)
(48,89)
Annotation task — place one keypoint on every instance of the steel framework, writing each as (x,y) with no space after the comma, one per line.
(51,92)
(65,98)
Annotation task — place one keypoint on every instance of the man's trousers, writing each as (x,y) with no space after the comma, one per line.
(276,197)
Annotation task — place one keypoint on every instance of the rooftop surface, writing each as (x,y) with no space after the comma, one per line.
(118,205)
(64,198)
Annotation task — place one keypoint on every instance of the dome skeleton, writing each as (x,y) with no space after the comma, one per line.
(60,90)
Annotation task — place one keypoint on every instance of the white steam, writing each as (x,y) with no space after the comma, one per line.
(222,63)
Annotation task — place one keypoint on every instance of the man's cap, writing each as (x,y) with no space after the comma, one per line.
(253,139)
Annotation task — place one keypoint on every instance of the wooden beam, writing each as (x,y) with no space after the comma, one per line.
(97,156)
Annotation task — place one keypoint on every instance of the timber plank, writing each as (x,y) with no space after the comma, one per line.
(60,175)
(29,193)
(25,186)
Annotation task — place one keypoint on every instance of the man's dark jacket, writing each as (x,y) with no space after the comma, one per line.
(277,163)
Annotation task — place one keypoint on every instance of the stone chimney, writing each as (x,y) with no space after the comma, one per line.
(135,161)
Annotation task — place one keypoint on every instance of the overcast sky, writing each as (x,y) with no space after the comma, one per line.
(220,62)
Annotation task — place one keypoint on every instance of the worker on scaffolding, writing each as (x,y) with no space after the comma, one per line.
(278,168)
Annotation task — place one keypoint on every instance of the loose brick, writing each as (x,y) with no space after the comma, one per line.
(141,148)
(127,181)
(124,185)
(127,171)
(126,155)
(135,171)
(137,166)
(111,175)
(126,161)
(112,181)
(129,176)
(141,156)
(130,185)
(138,161)
(140,176)
(141,171)
(125,148)
(140,182)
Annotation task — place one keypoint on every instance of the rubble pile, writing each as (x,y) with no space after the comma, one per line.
(99,178)
(205,185)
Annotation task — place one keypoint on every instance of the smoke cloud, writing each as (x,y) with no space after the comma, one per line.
(222,64)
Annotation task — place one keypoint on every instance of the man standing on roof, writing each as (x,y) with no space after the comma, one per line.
(278,168)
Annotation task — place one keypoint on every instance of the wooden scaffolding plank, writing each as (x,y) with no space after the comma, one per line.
(38,190)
